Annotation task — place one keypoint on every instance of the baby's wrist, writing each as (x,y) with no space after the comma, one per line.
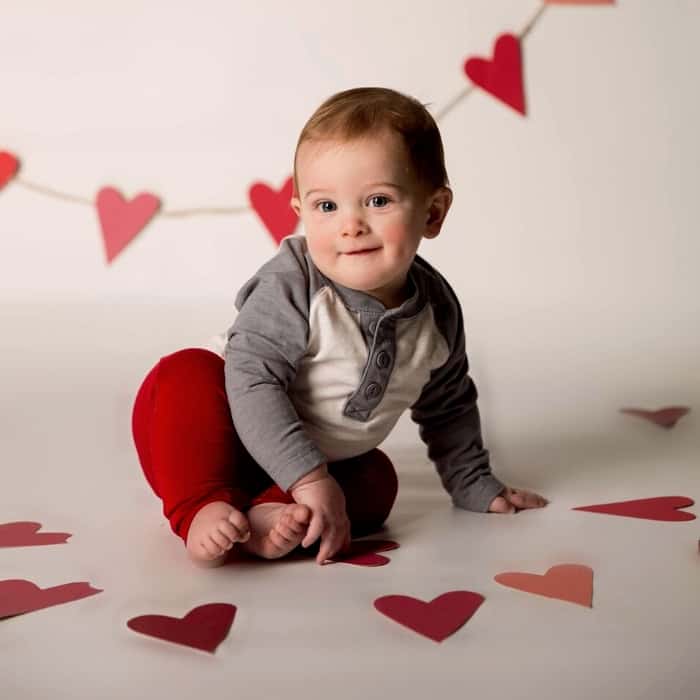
(320,472)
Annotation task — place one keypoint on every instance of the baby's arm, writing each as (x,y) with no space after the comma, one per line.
(322,494)
(450,426)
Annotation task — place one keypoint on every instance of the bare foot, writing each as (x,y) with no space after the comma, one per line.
(214,530)
(276,528)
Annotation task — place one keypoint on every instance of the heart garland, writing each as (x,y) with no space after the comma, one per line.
(121,220)
(9,165)
(274,208)
(501,76)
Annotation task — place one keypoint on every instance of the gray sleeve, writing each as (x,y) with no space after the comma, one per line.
(448,416)
(265,343)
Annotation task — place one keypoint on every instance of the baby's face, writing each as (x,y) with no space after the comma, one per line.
(364,213)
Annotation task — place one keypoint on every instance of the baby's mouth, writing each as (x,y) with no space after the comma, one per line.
(362,251)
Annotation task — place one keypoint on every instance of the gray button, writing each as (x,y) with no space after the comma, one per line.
(372,327)
(383,360)
(373,390)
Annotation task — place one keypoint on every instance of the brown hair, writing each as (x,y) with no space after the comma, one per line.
(357,112)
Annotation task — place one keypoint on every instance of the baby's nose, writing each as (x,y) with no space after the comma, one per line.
(354,226)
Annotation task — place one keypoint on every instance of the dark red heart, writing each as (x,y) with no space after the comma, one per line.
(502,76)
(204,627)
(26,534)
(660,508)
(437,619)
(18,596)
(9,165)
(274,208)
(363,553)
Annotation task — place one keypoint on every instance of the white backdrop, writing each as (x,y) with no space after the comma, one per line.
(573,239)
(572,244)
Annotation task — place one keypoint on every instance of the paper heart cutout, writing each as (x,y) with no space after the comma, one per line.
(204,627)
(437,619)
(502,76)
(122,220)
(18,596)
(664,417)
(363,553)
(9,165)
(569,582)
(26,534)
(659,508)
(274,208)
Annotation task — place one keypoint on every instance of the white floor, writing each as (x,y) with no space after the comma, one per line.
(68,376)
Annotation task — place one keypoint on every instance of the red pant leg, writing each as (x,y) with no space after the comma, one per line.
(370,485)
(185,439)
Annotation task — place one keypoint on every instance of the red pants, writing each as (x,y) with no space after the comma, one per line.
(191,454)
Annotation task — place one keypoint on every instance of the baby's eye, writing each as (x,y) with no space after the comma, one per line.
(379,200)
(326,206)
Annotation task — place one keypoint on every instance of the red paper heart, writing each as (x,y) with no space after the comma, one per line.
(274,208)
(437,619)
(204,627)
(570,582)
(8,167)
(26,534)
(502,76)
(122,220)
(660,508)
(18,596)
(664,417)
(362,553)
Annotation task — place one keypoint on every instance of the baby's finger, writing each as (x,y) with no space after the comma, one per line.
(315,529)
(526,499)
(331,542)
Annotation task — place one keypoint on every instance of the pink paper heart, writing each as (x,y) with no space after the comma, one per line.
(663,417)
(437,619)
(659,508)
(203,627)
(26,534)
(9,165)
(18,596)
(569,582)
(502,76)
(363,553)
(122,220)
(274,208)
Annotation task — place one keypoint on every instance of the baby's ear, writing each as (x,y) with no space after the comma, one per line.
(296,205)
(438,207)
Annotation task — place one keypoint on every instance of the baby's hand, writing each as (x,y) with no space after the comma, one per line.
(512,500)
(329,521)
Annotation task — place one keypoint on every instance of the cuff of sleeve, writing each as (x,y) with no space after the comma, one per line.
(300,466)
(479,495)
